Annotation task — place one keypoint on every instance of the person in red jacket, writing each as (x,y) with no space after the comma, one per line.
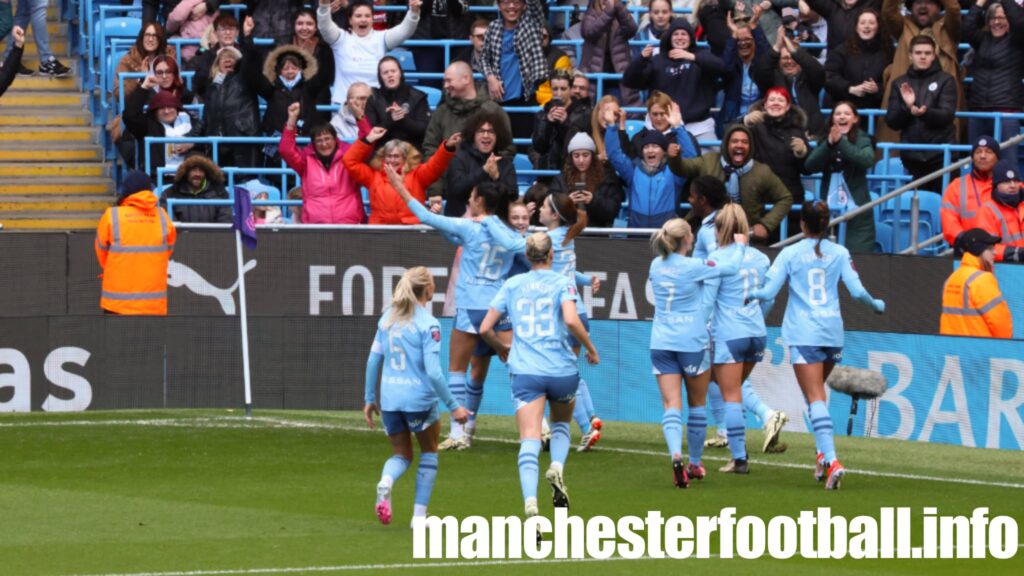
(386,206)
(329,195)
(1003,215)
(964,196)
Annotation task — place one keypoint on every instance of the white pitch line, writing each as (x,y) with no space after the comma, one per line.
(239,422)
(375,567)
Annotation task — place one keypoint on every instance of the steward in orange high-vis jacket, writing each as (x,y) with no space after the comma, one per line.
(134,241)
(972,304)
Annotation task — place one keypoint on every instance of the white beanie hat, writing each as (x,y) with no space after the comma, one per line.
(581,141)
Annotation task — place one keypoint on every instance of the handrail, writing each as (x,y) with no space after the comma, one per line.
(912,186)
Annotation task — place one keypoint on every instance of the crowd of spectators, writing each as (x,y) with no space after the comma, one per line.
(730,70)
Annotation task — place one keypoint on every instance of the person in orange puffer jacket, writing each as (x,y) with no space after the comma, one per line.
(386,206)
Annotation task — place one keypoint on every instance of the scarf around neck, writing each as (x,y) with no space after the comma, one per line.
(733,175)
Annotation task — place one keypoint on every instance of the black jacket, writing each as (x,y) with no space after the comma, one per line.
(550,139)
(213,190)
(144,123)
(843,69)
(607,201)
(998,64)
(417,115)
(804,89)
(842,21)
(936,90)
(231,105)
(466,171)
(772,145)
(10,68)
(279,97)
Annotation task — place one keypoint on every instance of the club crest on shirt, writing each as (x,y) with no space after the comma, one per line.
(710,263)
(435,333)
(572,290)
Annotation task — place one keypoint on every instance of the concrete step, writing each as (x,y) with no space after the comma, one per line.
(15,116)
(43,134)
(61,169)
(46,83)
(79,203)
(59,46)
(50,152)
(57,186)
(32,61)
(36,221)
(47,99)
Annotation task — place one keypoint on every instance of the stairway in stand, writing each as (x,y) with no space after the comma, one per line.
(53,175)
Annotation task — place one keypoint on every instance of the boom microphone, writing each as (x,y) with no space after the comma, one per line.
(858,383)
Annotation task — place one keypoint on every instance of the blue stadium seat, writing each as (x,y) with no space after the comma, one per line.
(406,61)
(633,127)
(119,27)
(893,168)
(929,220)
(883,238)
(522,162)
(434,95)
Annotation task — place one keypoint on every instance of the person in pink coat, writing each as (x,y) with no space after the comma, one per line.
(190,19)
(329,194)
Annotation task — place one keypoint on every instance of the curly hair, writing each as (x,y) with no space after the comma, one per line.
(501,134)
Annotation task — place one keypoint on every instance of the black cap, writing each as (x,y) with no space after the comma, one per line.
(975,241)
(985,142)
(135,181)
(1004,171)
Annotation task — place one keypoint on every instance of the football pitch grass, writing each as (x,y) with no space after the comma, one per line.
(196,493)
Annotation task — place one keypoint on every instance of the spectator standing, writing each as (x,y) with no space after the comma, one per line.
(514,63)
(938,19)
(779,130)
(607,29)
(854,70)
(12,62)
(161,10)
(463,99)
(965,196)
(556,59)
(190,19)
(473,54)
(972,304)
(439,20)
(198,178)
(606,113)
(996,33)
(795,69)
(6,19)
(1003,214)
(740,45)
(307,36)
(590,182)
(843,18)
(273,18)
(566,114)
(658,19)
(478,161)
(222,34)
(922,107)
(688,75)
(843,156)
(329,195)
(32,13)
(134,242)
(748,182)
(386,206)
(290,74)
(397,107)
(232,108)
(659,110)
(358,50)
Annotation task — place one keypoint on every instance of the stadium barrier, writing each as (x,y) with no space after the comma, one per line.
(315,294)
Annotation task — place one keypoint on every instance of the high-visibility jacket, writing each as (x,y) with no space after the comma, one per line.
(134,242)
(1003,221)
(961,203)
(972,304)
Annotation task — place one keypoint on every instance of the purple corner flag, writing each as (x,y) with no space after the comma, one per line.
(244,222)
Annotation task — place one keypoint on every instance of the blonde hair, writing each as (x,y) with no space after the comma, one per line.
(659,98)
(538,247)
(672,235)
(412,156)
(731,219)
(406,297)
(595,121)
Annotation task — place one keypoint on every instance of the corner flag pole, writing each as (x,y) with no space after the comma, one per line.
(244,313)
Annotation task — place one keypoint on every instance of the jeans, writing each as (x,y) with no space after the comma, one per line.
(36,11)
(977,127)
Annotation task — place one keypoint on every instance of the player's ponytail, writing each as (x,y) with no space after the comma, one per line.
(538,247)
(670,237)
(412,286)
(567,213)
(730,220)
(815,217)
(496,198)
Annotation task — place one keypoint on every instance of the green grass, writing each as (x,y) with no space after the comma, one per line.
(107,493)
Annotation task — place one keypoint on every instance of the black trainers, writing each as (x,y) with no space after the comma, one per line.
(24,71)
(54,68)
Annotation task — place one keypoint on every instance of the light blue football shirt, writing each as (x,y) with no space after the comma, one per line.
(533,301)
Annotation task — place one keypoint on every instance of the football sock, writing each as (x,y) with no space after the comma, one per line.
(672,427)
(529,450)
(559,442)
(737,430)
(474,395)
(821,422)
(457,386)
(753,403)
(393,469)
(426,473)
(696,432)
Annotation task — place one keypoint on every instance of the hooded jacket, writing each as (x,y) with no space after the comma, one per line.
(134,241)
(804,88)
(279,97)
(690,84)
(758,187)
(653,193)
(386,206)
(450,117)
(180,23)
(972,304)
(329,196)
(212,189)
(413,126)
(606,34)
(936,90)
(772,137)
(1004,221)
